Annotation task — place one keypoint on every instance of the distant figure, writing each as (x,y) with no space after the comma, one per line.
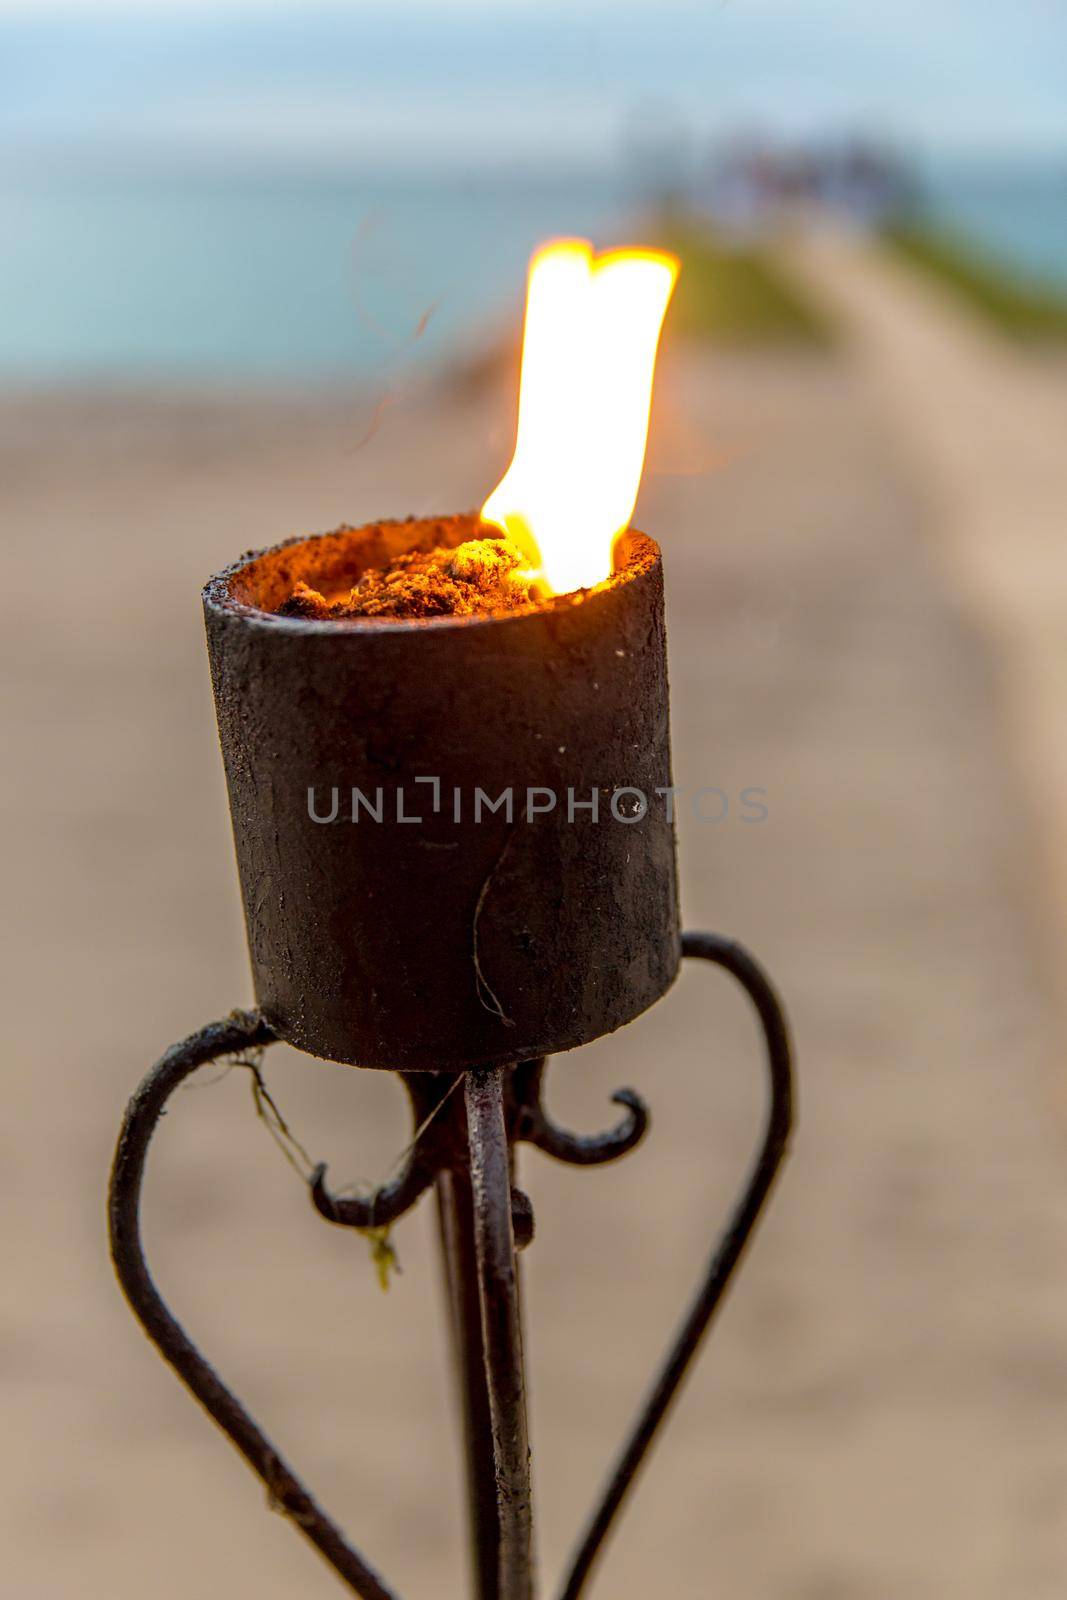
(866,184)
(754,186)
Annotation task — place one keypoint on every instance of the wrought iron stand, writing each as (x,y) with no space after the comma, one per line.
(464,1147)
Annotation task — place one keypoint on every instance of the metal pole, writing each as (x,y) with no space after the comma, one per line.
(490,1167)
(455,1212)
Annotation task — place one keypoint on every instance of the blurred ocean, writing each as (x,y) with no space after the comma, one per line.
(236,279)
(194,279)
(1017,213)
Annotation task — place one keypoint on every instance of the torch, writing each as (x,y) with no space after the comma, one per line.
(447,751)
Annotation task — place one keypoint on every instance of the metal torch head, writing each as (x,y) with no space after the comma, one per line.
(451,847)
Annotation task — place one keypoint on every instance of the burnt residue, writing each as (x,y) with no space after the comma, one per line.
(444,942)
(477,578)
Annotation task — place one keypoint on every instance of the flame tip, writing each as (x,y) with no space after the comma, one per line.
(585,391)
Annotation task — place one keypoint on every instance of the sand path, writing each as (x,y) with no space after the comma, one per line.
(985,423)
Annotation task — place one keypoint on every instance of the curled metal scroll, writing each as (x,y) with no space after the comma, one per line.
(533,1123)
(435,1148)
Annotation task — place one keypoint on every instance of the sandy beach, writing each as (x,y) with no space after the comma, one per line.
(881,1410)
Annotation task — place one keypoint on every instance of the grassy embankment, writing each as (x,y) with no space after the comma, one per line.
(1025,310)
(736,294)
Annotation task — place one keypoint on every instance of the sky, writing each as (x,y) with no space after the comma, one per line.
(482,83)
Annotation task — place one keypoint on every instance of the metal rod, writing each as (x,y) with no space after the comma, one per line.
(455,1210)
(243,1030)
(490,1168)
(727,1255)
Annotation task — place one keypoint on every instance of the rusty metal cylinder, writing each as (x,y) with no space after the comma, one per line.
(402,912)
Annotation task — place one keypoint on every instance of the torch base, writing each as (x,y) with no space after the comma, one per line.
(464,1143)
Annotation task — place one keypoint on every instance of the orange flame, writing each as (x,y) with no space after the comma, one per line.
(588,355)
